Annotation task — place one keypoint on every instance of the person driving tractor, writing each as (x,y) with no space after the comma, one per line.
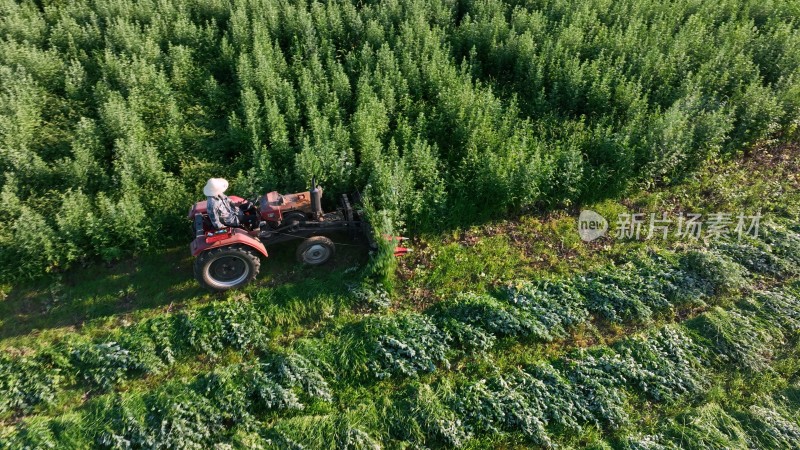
(222,211)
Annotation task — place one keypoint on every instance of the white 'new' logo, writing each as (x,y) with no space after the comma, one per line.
(591,225)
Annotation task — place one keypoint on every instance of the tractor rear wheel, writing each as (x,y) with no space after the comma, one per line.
(226,268)
(315,250)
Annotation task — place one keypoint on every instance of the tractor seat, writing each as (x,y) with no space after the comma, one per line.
(202,225)
(207,225)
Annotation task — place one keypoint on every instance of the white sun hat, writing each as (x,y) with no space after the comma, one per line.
(215,186)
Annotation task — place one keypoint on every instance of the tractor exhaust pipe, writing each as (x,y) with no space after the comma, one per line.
(316,199)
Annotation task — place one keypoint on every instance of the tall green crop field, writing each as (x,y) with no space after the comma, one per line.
(444,112)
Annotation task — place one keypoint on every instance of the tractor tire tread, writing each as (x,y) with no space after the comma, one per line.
(209,255)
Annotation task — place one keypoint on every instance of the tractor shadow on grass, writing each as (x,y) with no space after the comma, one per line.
(282,266)
(126,289)
(106,297)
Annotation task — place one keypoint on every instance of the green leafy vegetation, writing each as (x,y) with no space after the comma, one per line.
(333,359)
(403,345)
(451,116)
(542,401)
(446,113)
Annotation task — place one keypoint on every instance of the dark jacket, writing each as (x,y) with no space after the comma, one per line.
(223,213)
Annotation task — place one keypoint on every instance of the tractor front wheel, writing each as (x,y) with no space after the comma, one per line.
(315,250)
(293,218)
(226,268)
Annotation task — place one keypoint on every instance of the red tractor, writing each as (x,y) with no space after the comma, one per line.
(230,257)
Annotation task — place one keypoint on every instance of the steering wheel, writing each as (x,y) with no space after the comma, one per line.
(251,206)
